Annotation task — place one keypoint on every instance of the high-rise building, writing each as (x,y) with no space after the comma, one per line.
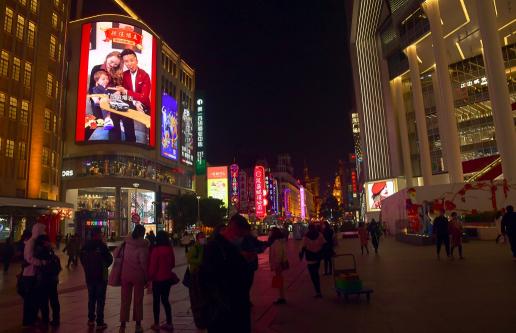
(32,50)
(435,87)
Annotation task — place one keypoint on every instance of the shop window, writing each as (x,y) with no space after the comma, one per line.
(9,148)
(20,27)
(15,73)
(4,62)
(27,74)
(13,107)
(8,20)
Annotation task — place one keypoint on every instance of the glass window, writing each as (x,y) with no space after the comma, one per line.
(9,148)
(52,51)
(34,6)
(2,104)
(27,74)
(31,34)
(15,74)
(22,2)
(24,115)
(8,20)
(46,122)
(59,51)
(53,160)
(4,63)
(22,151)
(54,20)
(56,3)
(57,89)
(54,124)
(13,107)
(44,156)
(20,26)
(50,80)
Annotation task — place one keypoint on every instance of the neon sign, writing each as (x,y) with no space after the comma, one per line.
(259,191)
(233,169)
(303,205)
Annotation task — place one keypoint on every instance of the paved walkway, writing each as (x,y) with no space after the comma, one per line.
(413,292)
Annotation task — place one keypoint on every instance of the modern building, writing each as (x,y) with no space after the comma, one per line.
(435,89)
(32,50)
(126,152)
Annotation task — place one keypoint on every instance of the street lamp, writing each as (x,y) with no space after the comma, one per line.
(198,210)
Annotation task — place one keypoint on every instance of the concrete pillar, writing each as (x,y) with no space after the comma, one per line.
(498,90)
(402,122)
(419,109)
(452,142)
(443,134)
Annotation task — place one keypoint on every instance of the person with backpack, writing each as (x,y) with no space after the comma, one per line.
(312,247)
(96,259)
(161,263)
(47,279)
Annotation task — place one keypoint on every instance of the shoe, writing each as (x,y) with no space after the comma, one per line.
(280,301)
(138,329)
(167,327)
(91,323)
(155,327)
(101,326)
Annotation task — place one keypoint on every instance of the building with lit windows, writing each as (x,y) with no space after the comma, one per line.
(32,49)
(126,152)
(435,93)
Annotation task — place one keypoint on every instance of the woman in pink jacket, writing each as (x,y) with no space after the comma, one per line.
(162,261)
(134,276)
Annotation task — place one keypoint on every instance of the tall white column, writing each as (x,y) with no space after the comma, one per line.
(498,90)
(452,142)
(402,121)
(443,134)
(419,109)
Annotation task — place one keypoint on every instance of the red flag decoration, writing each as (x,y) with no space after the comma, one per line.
(124,36)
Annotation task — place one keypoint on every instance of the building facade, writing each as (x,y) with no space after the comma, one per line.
(435,89)
(32,50)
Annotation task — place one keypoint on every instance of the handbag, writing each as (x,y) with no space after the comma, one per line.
(115,276)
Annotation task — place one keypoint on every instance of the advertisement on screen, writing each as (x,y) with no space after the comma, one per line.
(116,90)
(218,183)
(377,191)
(169,128)
(187,144)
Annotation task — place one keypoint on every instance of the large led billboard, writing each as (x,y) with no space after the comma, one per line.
(218,183)
(116,95)
(169,127)
(187,142)
(377,191)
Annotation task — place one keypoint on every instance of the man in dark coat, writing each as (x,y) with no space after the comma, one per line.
(509,228)
(442,233)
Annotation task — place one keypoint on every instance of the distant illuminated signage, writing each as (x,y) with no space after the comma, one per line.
(302,199)
(233,171)
(478,81)
(377,191)
(260,191)
(67,173)
(187,146)
(218,183)
(200,164)
(169,127)
(286,201)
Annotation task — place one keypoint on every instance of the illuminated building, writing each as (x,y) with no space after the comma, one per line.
(337,189)
(32,49)
(123,174)
(435,87)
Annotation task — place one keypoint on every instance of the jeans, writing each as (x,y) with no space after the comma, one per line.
(161,291)
(313,269)
(96,301)
(30,301)
(328,265)
(443,239)
(127,294)
(47,293)
(512,240)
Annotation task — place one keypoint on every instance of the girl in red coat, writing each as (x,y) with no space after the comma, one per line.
(161,262)
(456,234)
(363,235)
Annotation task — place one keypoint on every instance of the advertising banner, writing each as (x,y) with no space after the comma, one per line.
(218,183)
(260,191)
(187,144)
(116,94)
(377,191)
(169,127)
(234,186)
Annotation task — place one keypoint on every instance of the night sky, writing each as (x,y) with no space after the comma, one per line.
(276,75)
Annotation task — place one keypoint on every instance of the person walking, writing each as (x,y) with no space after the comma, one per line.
(47,279)
(278,261)
(134,276)
(375,230)
(363,236)
(27,282)
(59,238)
(96,259)
(328,248)
(194,259)
(186,240)
(250,248)
(7,253)
(72,248)
(161,263)
(223,280)
(456,230)
(441,232)
(151,238)
(311,250)
(509,228)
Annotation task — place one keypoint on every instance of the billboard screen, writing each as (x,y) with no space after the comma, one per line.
(377,191)
(187,144)
(169,127)
(116,94)
(218,183)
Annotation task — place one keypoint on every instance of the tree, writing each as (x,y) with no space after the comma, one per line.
(183,210)
(212,211)
(330,208)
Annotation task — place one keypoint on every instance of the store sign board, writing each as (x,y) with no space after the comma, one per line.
(259,191)
(218,183)
(235,202)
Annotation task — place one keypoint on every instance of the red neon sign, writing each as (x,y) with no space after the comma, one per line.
(259,189)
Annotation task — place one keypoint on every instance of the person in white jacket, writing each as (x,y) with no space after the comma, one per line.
(28,280)
(278,261)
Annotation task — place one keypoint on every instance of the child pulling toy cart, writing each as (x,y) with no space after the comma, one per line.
(347,281)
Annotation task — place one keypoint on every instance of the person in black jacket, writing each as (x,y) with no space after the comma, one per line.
(328,248)
(441,232)
(8,253)
(95,259)
(509,228)
(250,248)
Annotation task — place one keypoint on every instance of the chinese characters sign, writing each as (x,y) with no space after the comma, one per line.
(259,191)
(218,183)
(234,185)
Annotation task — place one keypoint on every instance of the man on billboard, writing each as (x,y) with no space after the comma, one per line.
(136,84)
